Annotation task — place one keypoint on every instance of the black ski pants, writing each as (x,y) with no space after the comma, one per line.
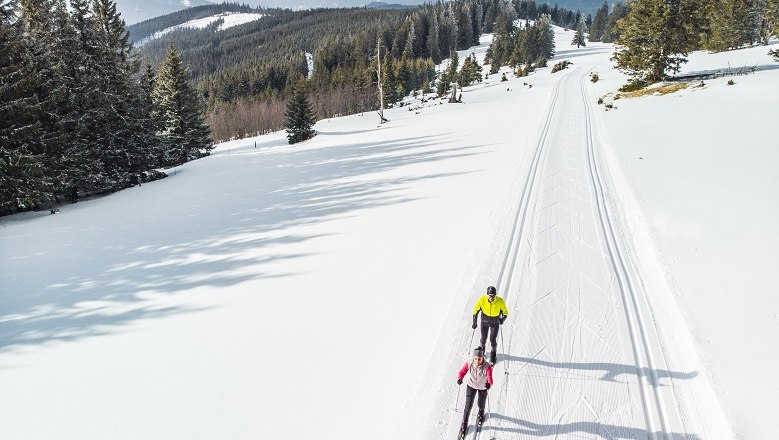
(488,326)
(470,393)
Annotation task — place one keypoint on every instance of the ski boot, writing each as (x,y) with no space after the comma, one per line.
(493,357)
(463,429)
(480,418)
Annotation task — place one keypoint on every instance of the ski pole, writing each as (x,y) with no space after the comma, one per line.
(505,354)
(489,414)
(457,400)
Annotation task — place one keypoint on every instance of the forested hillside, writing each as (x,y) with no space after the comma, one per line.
(246,72)
(78,117)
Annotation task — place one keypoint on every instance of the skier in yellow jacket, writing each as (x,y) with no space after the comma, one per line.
(493,313)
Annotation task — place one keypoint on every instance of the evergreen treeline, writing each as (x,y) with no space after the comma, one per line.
(77,118)
(656,35)
(252,68)
(523,48)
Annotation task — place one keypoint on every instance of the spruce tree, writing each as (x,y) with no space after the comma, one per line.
(124,150)
(578,38)
(21,161)
(470,72)
(599,23)
(656,36)
(300,117)
(610,33)
(179,109)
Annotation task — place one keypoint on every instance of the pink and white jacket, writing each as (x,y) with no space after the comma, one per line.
(478,375)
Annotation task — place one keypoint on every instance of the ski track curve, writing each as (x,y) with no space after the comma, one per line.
(578,358)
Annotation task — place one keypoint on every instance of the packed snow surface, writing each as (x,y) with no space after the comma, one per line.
(326,288)
(229,19)
(701,164)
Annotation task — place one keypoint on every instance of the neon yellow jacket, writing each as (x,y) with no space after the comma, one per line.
(492,309)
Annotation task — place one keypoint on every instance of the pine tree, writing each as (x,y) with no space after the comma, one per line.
(733,23)
(578,39)
(21,160)
(656,36)
(300,118)
(772,23)
(124,149)
(610,33)
(183,133)
(470,72)
(598,26)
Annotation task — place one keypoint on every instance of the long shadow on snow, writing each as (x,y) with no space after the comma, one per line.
(605,431)
(83,261)
(610,371)
(573,53)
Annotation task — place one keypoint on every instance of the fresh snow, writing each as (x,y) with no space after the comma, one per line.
(701,165)
(325,288)
(309,64)
(230,19)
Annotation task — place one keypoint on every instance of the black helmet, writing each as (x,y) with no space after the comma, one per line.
(491,291)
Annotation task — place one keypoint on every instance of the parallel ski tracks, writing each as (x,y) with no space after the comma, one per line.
(646,371)
(652,399)
(506,276)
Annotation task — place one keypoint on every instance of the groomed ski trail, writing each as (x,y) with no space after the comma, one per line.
(581,355)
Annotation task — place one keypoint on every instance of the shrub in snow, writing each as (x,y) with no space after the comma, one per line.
(594,77)
(633,85)
(561,65)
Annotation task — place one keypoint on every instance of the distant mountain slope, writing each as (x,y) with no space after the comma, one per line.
(585,6)
(136,11)
(308,4)
(383,5)
(146,29)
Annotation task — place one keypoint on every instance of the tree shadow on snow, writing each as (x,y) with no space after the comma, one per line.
(610,371)
(91,269)
(602,430)
(573,53)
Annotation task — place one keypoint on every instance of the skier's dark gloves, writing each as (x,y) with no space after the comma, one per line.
(474,326)
(501,320)
(459,381)
(487,385)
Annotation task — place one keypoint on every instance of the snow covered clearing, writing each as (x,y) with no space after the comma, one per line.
(229,19)
(703,172)
(326,288)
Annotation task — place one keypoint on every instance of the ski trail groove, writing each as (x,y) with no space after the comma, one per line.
(626,285)
(511,256)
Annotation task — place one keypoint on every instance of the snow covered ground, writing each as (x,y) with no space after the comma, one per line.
(325,288)
(229,19)
(703,171)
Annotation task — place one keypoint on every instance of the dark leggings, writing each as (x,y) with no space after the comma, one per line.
(485,328)
(469,394)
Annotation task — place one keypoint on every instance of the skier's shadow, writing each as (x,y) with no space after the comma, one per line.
(499,422)
(611,371)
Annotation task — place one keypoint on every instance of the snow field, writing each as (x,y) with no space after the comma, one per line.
(274,290)
(327,287)
(705,192)
(229,19)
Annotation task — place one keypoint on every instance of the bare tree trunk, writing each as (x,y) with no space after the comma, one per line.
(380,84)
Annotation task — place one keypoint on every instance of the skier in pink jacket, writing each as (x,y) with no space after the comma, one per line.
(479,375)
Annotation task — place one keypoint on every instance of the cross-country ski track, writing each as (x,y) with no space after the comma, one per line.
(580,356)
